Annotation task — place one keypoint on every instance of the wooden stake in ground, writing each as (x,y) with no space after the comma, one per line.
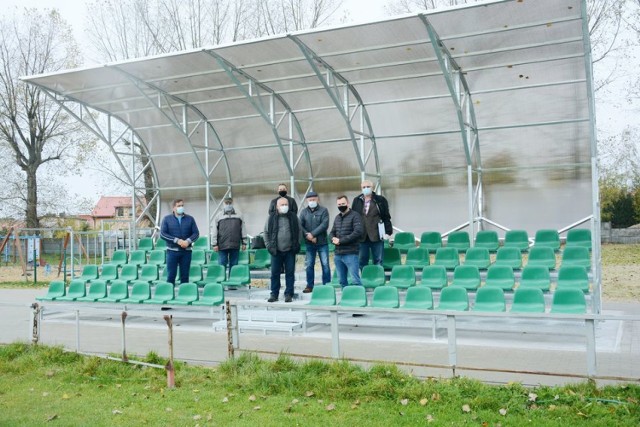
(171,373)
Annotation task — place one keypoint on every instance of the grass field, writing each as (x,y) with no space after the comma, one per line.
(44,384)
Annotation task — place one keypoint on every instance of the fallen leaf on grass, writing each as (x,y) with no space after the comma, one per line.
(294,401)
(118,385)
(404,402)
(552,407)
(401,413)
(52,417)
(330,407)
(429,418)
(116,412)
(466,408)
(168,409)
(50,374)
(196,391)
(65,396)
(532,397)
(197,417)
(423,402)
(256,408)
(309,393)
(435,396)
(252,398)
(45,393)
(503,411)
(225,400)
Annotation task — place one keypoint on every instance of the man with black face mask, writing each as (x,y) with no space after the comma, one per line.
(282,192)
(346,234)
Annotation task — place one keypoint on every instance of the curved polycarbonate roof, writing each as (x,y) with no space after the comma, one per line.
(426,104)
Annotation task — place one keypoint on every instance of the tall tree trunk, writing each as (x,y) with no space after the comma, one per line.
(32,199)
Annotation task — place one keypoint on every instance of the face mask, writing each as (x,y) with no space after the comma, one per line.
(282,193)
(283,209)
(343,209)
(313,205)
(228,208)
(180,210)
(366,191)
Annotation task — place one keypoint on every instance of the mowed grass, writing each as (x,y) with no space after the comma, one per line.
(42,385)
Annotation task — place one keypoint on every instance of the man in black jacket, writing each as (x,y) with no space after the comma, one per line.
(228,235)
(346,233)
(314,220)
(282,234)
(377,222)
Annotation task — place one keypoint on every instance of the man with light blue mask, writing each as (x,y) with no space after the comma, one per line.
(376,217)
(229,235)
(314,220)
(180,231)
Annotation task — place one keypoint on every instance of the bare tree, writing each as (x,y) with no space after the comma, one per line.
(32,127)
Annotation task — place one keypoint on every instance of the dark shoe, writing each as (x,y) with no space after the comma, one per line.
(307,290)
(357,315)
(272,299)
(288,298)
(165,308)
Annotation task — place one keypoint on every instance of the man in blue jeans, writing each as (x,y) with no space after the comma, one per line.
(180,231)
(346,234)
(314,220)
(228,235)
(282,235)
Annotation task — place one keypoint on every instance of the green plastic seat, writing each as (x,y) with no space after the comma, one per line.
(418,298)
(542,255)
(198,257)
(97,291)
(500,276)
(353,296)
(547,238)
(576,255)
(434,277)
(129,273)
(404,241)
(195,273)
(535,276)
(77,289)
(417,257)
(579,237)
(109,273)
(478,257)
(243,258)
(202,243)
(161,244)
(509,256)
(372,276)
(89,272)
(487,239)
(568,301)
(447,257)
(390,258)
(466,276)
(56,290)
(385,297)
(516,239)
(402,276)
(261,259)
(238,276)
(459,240)
(303,245)
(157,257)
(528,300)
(149,273)
(453,298)
(187,294)
(489,299)
(163,294)
(137,258)
(145,244)
(119,258)
(323,295)
(117,292)
(431,241)
(212,295)
(140,292)
(573,276)
(215,274)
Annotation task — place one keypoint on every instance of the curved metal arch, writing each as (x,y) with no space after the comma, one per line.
(313,59)
(137,82)
(269,116)
(461,97)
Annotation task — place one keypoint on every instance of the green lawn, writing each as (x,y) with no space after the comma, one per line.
(40,384)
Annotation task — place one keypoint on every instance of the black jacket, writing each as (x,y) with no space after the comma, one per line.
(315,222)
(383,207)
(271,233)
(348,227)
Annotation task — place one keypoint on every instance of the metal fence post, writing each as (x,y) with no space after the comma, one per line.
(335,335)
(125,358)
(590,331)
(451,335)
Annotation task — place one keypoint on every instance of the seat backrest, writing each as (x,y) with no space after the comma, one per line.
(243,257)
(487,239)
(164,291)
(579,237)
(161,243)
(323,295)
(547,237)
(419,297)
(138,257)
(385,297)
(77,288)
(129,272)
(434,276)
(454,297)
(353,296)
(109,272)
(391,255)
(145,243)
(262,255)
(188,291)
(576,253)
(489,299)
(202,243)
(89,272)
(149,272)
(466,272)
(240,272)
(528,300)
(477,254)
(56,289)
(214,291)
(572,272)
(431,240)
(97,289)
(541,253)
(535,272)
(405,238)
(568,300)
(459,239)
(403,273)
(118,289)
(198,257)
(373,274)
(157,256)
(141,290)
(499,272)
(516,238)
(119,256)
(216,273)
(446,254)
(195,273)
(417,256)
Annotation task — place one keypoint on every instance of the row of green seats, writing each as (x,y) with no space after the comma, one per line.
(454,298)
(260,259)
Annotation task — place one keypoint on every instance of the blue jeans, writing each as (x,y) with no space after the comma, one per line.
(347,263)
(177,259)
(228,258)
(376,248)
(310,262)
(288,259)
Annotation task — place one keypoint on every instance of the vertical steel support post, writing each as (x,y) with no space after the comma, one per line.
(335,335)
(123,318)
(590,332)
(451,338)
(77,331)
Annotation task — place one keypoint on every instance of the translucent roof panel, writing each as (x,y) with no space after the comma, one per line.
(384,99)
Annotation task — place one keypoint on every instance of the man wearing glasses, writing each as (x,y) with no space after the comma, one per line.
(376,218)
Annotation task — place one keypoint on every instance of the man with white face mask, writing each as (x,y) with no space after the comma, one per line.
(180,231)
(376,218)
(228,235)
(282,235)
(314,220)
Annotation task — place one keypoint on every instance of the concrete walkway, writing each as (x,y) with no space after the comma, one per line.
(549,353)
